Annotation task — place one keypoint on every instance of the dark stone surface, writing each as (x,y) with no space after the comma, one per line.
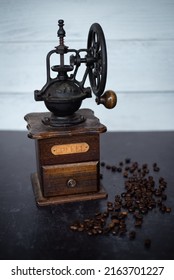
(29,232)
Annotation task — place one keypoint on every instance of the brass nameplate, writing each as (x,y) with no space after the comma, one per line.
(69,149)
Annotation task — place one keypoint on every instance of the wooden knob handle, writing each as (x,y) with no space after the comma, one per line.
(108,99)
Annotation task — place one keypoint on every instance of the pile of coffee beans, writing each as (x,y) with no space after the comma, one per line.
(142,193)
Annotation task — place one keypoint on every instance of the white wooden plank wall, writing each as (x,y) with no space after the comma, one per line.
(140,43)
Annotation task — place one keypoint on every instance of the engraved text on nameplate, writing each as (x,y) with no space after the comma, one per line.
(69,149)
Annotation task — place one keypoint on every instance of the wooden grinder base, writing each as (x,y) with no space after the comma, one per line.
(68,166)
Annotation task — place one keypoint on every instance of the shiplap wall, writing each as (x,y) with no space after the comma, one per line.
(140,44)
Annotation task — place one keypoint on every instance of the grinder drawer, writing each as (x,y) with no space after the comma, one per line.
(71,179)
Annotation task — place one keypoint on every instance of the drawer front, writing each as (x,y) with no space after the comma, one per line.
(67,179)
(71,149)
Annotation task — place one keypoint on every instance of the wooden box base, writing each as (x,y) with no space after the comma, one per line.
(43,201)
(68,159)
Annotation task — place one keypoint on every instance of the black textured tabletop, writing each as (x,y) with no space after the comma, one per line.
(29,232)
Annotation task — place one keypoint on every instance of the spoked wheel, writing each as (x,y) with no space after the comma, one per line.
(98,69)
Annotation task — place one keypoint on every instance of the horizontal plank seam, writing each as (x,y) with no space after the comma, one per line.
(84,40)
(118,92)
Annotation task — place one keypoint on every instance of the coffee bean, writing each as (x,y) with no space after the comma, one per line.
(164,196)
(114,168)
(116,222)
(163,208)
(108,166)
(73,227)
(119,169)
(132,235)
(147,243)
(125,174)
(156,169)
(127,160)
(140,196)
(138,223)
(168,209)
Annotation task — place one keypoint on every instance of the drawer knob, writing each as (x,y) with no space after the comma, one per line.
(71,183)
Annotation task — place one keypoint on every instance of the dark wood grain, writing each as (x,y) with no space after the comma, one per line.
(55,172)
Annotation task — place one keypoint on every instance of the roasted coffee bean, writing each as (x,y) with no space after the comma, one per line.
(98,214)
(109,203)
(158,192)
(125,174)
(122,225)
(163,208)
(114,168)
(127,168)
(118,198)
(164,196)
(156,169)
(80,229)
(168,209)
(138,216)
(105,214)
(131,169)
(141,195)
(124,213)
(131,209)
(106,230)
(132,235)
(111,225)
(144,210)
(99,230)
(147,243)
(108,166)
(122,232)
(116,222)
(161,187)
(121,216)
(119,169)
(73,227)
(123,194)
(127,160)
(114,215)
(138,223)
(110,208)
(144,166)
(94,231)
(117,208)
(114,232)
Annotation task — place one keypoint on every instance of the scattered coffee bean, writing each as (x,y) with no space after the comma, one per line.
(127,160)
(108,166)
(114,168)
(140,196)
(101,176)
(132,234)
(73,227)
(147,243)
(156,169)
(168,209)
(119,169)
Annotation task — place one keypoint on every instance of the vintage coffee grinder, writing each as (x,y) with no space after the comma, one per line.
(67,138)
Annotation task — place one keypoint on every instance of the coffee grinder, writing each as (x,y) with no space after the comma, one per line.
(67,138)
